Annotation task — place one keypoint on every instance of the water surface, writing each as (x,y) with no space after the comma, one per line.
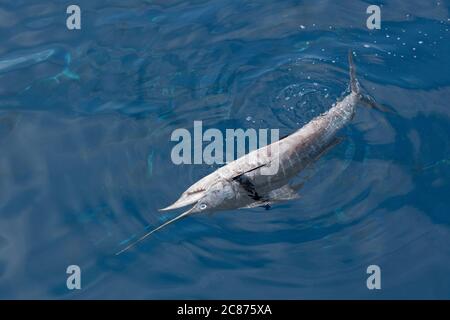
(85,124)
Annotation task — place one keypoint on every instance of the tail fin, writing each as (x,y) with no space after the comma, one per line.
(354,84)
(355,87)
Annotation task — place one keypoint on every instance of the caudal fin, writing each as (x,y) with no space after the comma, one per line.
(354,84)
(355,87)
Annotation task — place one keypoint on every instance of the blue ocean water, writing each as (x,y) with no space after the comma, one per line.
(85,123)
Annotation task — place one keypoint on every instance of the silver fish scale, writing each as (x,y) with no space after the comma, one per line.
(295,152)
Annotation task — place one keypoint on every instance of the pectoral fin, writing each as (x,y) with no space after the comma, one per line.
(284,193)
(256,204)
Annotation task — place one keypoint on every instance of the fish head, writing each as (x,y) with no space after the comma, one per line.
(219,196)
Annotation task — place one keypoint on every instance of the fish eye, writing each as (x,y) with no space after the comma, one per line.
(203,206)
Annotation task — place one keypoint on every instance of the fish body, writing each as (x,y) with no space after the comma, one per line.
(261,177)
(241,179)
